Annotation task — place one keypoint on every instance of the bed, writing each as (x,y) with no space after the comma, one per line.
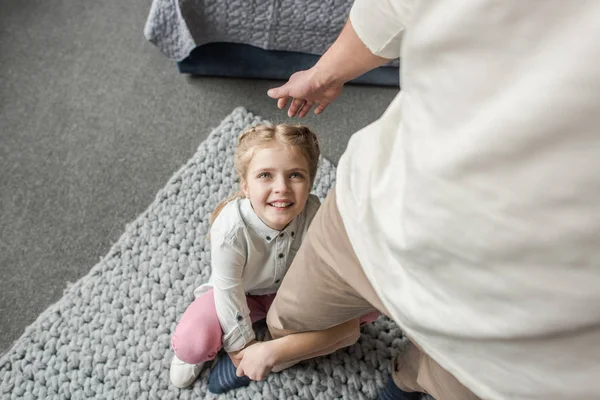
(268,39)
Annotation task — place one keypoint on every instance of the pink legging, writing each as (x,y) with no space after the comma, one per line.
(198,336)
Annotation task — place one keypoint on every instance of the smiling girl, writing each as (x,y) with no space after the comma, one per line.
(254,237)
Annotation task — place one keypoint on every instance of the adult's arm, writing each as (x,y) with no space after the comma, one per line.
(371,37)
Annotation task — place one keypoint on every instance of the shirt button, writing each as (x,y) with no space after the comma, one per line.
(292,234)
(278,280)
(281,235)
(281,255)
(268,237)
(239,318)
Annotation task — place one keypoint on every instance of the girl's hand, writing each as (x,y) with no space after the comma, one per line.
(236,356)
(257,361)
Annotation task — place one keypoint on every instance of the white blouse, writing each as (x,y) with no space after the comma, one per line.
(248,257)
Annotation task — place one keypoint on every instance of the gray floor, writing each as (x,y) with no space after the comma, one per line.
(93,121)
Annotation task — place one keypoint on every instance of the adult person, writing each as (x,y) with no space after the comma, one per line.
(470,211)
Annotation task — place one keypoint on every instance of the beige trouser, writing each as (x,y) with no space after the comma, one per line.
(326,286)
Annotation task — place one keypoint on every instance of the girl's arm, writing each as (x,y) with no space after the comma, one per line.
(228,260)
(258,359)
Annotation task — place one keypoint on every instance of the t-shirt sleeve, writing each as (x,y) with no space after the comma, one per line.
(380,25)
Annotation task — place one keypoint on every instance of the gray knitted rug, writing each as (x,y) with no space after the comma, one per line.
(109,335)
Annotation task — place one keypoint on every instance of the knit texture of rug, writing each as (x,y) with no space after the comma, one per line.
(109,335)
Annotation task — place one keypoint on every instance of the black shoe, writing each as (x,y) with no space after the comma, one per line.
(393,392)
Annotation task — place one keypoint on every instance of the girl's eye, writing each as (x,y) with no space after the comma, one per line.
(296,175)
(264,175)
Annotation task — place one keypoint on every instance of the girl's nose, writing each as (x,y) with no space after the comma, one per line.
(281,185)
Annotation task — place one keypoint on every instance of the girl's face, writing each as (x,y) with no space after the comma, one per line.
(277,184)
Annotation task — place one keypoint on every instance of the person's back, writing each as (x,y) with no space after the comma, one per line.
(487,168)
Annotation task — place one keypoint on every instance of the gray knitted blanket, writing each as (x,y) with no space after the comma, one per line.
(308,26)
(109,336)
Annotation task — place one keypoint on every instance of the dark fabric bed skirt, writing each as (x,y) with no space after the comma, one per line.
(245,61)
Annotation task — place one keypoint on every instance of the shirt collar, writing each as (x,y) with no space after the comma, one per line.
(266,232)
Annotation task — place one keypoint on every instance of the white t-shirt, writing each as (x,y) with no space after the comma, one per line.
(249,257)
(473,203)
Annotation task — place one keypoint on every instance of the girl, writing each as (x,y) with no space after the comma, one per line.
(254,237)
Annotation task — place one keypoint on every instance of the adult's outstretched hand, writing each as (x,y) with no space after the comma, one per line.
(306,89)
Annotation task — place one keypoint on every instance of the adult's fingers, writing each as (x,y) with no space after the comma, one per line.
(278,92)
(305,108)
(320,108)
(282,102)
(295,107)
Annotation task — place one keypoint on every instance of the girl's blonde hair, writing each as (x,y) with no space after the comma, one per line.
(260,136)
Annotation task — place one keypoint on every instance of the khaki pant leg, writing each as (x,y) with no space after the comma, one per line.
(415,371)
(325,285)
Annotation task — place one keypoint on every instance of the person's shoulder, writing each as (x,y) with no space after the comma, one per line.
(229,222)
